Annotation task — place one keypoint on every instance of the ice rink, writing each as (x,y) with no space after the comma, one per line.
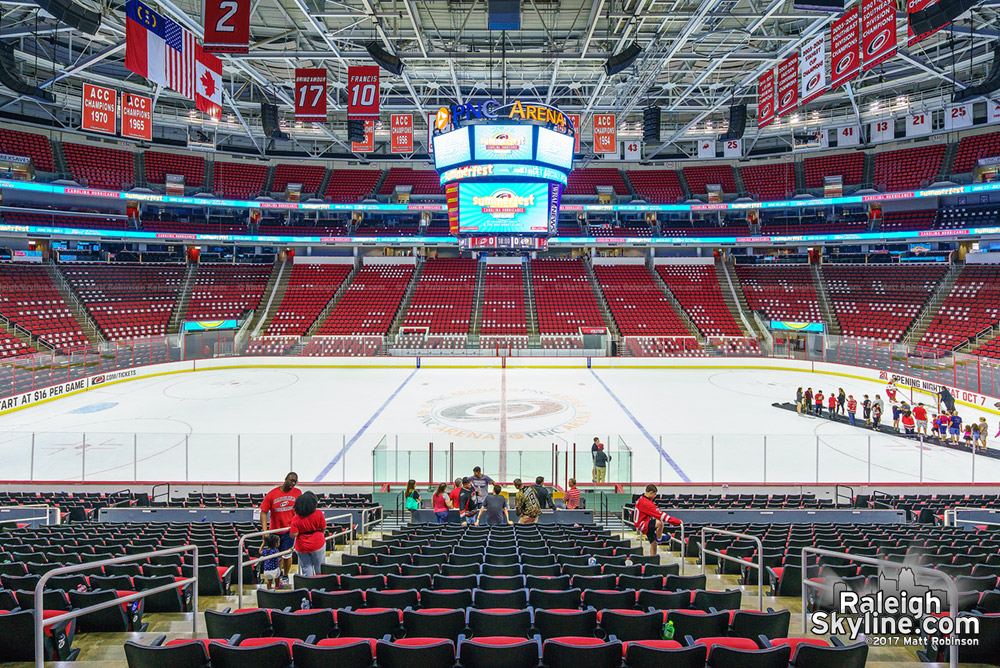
(253,424)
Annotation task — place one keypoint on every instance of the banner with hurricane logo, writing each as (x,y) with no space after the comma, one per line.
(813,69)
(788,84)
(845,36)
(765,99)
(878,32)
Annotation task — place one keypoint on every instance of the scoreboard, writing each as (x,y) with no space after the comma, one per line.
(503,243)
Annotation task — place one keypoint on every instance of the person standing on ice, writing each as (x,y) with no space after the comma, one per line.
(890,391)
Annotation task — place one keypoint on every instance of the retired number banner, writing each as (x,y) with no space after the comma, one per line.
(765,99)
(137,117)
(788,84)
(845,37)
(605,134)
(368,145)
(227,26)
(402,133)
(310,94)
(362,91)
(878,32)
(100,109)
(575,120)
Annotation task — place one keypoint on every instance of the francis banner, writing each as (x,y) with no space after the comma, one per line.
(844,38)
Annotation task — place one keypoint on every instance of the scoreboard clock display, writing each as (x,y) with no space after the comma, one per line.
(503,243)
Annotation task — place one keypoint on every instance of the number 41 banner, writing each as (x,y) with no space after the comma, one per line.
(310,94)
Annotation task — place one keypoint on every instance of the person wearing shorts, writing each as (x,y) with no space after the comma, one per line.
(277,511)
(920,415)
(650,520)
(955,426)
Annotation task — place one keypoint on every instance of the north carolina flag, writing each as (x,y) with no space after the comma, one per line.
(159,49)
(208,83)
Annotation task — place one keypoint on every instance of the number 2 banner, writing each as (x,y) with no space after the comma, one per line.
(402,133)
(137,117)
(100,109)
(310,94)
(227,26)
(362,91)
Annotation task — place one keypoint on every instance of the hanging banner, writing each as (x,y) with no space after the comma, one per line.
(912,7)
(918,124)
(788,84)
(633,151)
(845,35)
(368,145)
(958,116)
(137,117)
(310,94)
(227,26)
(813,69)
(605,134)
(848,136)
(882,130)
(878,32)
(401,133)
(100,109)
(765,99)
(208,83)
(706,148)
(362,91)
(993,111)
(732,148)
(430,133)
(575,120)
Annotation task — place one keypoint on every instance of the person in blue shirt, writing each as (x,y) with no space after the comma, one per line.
(270,571)
(956,426)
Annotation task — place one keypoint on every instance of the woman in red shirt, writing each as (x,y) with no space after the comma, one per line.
(308,528)
(442,504)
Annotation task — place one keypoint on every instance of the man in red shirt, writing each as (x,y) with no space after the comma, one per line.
(453,494)
(920,415)
(277,511)
(650,520)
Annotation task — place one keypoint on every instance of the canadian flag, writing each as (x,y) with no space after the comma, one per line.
(208,83)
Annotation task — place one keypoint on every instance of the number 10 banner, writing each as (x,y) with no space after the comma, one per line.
(227,26)
(362,91)
(310,94)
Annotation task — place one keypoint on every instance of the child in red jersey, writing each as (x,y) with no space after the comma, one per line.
(831,403)
(818,398)
(852,408)
(650,520)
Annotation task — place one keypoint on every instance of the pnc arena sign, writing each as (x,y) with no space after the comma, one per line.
(490,110)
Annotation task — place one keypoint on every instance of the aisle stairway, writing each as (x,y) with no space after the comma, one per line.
(933,305)
(183,299)
(830,322)
(89,327)
(732,295)
(271,298)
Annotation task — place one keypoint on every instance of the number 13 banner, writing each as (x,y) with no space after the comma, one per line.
(310,94)
(227,26)
(362,91)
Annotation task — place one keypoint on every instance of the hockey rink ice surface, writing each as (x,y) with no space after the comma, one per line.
(325,422)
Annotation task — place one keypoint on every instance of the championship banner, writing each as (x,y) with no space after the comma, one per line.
(813,69)
(310,94)
(575,120)
(100,109)
(137,117)
(368,145)
(918,124)
(362,91)
(227,26)
(402,133)
(765,99)
(605,134)
(912,7)
(788,84)
(845,35)
(878,32)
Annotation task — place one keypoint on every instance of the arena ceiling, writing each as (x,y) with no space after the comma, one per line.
(698,57)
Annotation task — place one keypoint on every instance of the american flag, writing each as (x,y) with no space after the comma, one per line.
(180,58)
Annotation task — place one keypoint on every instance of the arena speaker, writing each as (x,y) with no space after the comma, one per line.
(72,14)
(939,15)
(987,85)
(356,130)
(10,78)
(737,122)
(621,60)
(269,119)
(833,6)
(389,62)
(651,124)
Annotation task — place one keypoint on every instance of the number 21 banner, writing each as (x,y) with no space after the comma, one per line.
(362,91)
(227,26)
(310,94)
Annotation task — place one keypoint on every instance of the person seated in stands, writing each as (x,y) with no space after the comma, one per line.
(650,520)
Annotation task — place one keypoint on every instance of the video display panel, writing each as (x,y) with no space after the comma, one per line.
(503,208)
(555,148)
(504,142)
(452,148)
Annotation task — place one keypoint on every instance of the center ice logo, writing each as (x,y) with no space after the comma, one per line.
(478,413)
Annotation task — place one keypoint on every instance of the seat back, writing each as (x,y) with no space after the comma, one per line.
(727,657)
(248,624)
(188,655)
(571,653)
(420,652)
(355,655)
(302,624)
(639,655)
(274,655)
(560,623)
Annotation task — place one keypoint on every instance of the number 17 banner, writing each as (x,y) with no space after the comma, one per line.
(310,94)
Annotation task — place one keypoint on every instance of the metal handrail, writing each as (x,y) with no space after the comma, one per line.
(760,558)
(953,514)
(948,581)
(277,555)
(25,519)
(838,495)
(365,523)
(40,623)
